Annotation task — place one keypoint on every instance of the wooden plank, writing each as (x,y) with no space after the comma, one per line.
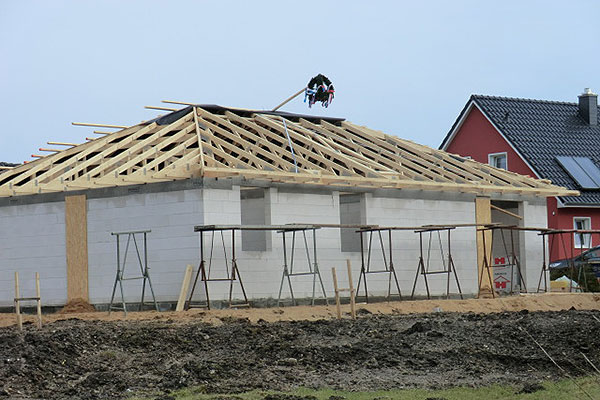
(77,247)
(62,143)
(183,103)
(502,210)
(200,146)
(161,108)
(483,215)
(185,285)
(99,125)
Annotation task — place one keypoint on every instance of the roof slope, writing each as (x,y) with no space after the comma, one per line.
(540,131)
(212,141)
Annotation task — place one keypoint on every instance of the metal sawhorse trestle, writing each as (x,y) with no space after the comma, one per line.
(448,267)
(232,273)
(570,233)
(288,267)
(510,258)
(388,264)
(143,264)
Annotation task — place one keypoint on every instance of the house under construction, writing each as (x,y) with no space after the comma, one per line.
(207,164)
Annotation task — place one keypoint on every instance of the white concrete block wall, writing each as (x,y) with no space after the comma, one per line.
(417,212)
(262,271)
(32,239)
(531,249)
(314,208)
(172,244)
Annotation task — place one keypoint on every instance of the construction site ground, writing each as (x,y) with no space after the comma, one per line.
(408,344)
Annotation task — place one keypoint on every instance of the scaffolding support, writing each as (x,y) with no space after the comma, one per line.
(143,264)
(388,264)
(448,267)
(288,267)
(510,255)
(204,272)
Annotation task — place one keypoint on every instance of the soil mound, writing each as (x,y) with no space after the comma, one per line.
(77,306)
(79,359)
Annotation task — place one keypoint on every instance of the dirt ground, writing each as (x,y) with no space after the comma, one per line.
(531,302)
(92,356)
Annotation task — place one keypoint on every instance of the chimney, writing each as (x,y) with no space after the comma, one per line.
(588,106)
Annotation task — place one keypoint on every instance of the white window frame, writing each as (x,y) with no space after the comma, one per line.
(494,155)
(586,243)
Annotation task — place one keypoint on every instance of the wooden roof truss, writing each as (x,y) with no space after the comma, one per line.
(227,143)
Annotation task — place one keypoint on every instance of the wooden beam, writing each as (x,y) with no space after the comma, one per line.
(102,132)
(63,144)
(160,108)
(502,210)
(289,99)
(99,125)
(77,247)
(483,215)
(50,150)
(178,102)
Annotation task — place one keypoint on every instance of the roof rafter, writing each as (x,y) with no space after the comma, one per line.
(213,141)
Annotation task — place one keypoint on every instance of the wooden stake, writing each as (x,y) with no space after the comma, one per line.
(337,294)
(17,304)
(185,285)
(352,291)
(39,299)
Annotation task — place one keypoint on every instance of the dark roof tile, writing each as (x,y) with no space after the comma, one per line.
(541,130)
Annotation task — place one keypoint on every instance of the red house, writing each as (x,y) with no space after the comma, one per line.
(551,140)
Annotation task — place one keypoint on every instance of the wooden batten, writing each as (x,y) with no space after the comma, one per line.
(483,215)
(77,247)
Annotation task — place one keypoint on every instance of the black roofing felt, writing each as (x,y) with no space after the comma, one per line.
(175,115)
(541,130)
(7,164)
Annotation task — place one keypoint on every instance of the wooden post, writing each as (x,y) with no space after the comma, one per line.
(337,294)
(39,299)
(483,215)
(352,292)
(185,285)
(76,247)
(17,305)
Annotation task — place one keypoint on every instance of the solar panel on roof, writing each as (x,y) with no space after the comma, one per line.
(590,168)
(582,169)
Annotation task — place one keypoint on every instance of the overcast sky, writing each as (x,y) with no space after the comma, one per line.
(404,67)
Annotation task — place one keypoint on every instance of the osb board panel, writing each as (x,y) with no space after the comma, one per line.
(77,247)
(483,215)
